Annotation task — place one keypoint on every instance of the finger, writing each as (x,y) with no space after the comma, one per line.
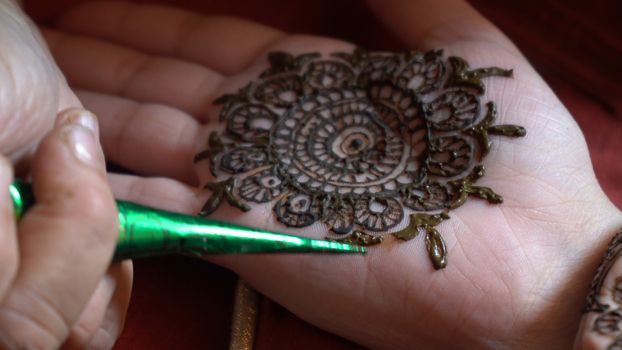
(114,318)
(149,139)
(226,45)
(104,314)
(429,24)
(100,66)
(159,192)
(167,194)
(460,30)
(8,242)
(93,313)
(171,195)
(66,240)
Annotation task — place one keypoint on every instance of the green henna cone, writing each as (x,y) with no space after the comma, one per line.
(145,232)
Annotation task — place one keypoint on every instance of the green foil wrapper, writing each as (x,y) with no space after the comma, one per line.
(147,231)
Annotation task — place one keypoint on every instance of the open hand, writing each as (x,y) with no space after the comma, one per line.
(517,273)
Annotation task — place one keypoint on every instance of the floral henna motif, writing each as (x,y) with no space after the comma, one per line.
(358,141)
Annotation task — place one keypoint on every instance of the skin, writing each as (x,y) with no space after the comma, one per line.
(517,272)
(57,287)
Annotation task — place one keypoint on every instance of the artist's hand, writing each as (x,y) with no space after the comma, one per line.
(32,90)
(54,287)
(517,273)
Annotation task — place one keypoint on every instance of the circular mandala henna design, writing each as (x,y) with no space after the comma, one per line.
(358,141)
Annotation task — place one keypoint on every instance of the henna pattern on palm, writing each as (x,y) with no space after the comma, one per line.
(358,141)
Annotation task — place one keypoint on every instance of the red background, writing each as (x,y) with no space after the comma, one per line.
(576,45)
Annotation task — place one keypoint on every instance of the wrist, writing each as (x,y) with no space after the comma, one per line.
(559,296)
(602,314)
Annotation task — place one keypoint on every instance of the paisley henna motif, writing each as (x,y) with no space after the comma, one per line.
(358,141)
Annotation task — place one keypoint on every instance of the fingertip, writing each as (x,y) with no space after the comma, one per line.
(78,129)
(83,145)
(79,116)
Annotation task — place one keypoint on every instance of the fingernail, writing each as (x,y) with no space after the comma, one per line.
(82,143)
(78,116)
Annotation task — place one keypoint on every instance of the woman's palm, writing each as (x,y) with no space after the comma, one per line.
(517,272)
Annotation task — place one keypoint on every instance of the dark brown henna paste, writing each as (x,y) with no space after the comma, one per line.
(433,240)
(357,141)
(360,238)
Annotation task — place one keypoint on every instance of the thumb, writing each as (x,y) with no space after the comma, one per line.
(66,240)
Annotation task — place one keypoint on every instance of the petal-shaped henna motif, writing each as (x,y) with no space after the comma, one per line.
(250,123)
(328,74)
(261,187)
(453,110)
(297,210)
(339,217)
(280,91)
(422,73)
(433,196)
(379,214)
(243,158)
(449,156)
